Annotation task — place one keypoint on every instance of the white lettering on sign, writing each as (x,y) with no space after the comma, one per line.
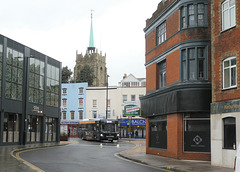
(109,121)
(35,108)
(132,109)
(138,122)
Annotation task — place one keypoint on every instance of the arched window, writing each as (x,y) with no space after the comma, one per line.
(229,133)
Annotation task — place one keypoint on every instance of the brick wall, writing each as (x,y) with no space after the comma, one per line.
(224,44)
(172,67)
(151,77)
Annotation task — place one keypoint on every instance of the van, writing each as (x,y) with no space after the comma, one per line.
(237,160)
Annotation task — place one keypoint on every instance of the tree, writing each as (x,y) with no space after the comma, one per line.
(86,75)
(66,74)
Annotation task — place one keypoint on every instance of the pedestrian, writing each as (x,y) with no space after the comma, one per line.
(136,134)
(68,133)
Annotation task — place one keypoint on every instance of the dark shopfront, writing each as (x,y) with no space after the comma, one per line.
(178,122)
(29,95)
(129,127)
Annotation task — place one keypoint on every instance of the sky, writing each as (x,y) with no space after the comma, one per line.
(60,28)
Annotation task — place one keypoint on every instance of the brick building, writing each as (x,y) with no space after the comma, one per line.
(225,107)
(178,80)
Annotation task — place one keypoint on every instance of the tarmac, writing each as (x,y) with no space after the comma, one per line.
(10,163)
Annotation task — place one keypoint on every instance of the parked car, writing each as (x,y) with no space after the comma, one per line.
(237,160)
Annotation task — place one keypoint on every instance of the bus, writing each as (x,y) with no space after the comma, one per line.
(98,129)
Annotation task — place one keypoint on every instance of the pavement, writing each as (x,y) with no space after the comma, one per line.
(138,154)
(10,163)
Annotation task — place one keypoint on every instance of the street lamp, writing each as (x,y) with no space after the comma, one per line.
(107,97)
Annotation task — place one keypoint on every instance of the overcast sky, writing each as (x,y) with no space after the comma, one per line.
(59,28)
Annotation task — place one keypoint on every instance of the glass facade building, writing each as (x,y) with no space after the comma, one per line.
(29,95)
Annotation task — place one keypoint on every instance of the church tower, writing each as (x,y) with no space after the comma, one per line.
(95,60)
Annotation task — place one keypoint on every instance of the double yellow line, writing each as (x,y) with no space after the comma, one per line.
(28,163)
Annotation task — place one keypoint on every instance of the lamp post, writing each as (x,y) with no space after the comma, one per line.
(107,97)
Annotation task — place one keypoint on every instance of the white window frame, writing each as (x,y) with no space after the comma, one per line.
(64,91)
(80,104)
(161,33)
(94,102)
(81,90)
(93,112)
(72,113)
(80,114)
(230,67)
(227,12)
(64,105)
(133,97)
(64,112)
(124,100)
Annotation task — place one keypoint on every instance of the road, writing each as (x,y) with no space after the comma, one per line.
(84,156)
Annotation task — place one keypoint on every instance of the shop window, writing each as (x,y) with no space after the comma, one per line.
(197,132)
(158,132)
(34,128)
(162,74)
(229,73)
(51,129)
(194,64)
(11,128)
(228,14)
(229,133)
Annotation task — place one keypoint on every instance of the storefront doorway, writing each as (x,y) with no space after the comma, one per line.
(73,130)
(34,128)
(11,128)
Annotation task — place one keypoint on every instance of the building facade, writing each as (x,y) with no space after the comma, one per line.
(225,107)
(73,107)
(102,100)
(30,95)
(178,65)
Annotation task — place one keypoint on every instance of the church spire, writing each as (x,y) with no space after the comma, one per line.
(91,47)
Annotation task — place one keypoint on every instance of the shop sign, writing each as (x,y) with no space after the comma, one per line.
(132,108)
(37,109)
(133,122)
(225,107)
(68,122)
